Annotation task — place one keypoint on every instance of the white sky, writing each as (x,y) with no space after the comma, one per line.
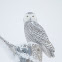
(49,15)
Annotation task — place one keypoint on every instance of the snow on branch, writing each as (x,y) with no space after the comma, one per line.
(26,52)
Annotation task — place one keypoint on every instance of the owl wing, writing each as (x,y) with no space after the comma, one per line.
(38,34)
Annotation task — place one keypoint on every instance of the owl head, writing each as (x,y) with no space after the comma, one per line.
(30,16)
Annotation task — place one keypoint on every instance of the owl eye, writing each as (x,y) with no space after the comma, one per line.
(32,16)
(26,16)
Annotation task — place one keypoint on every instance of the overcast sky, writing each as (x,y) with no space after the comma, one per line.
(49,15)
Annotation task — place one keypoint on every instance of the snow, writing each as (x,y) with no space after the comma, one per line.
(49,15)
(17,54)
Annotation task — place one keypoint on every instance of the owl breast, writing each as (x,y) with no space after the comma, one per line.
(31,32)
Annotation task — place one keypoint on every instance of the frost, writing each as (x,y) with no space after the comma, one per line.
(21,53)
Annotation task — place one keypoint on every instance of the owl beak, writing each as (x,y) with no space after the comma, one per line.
(30,19)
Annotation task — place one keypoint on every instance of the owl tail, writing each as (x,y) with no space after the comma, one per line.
(48,52)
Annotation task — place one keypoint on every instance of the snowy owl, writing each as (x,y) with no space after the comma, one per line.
(35,33)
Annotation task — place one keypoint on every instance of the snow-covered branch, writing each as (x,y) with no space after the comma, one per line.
(26,51)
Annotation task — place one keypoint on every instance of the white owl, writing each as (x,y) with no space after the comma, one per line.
(35,33)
